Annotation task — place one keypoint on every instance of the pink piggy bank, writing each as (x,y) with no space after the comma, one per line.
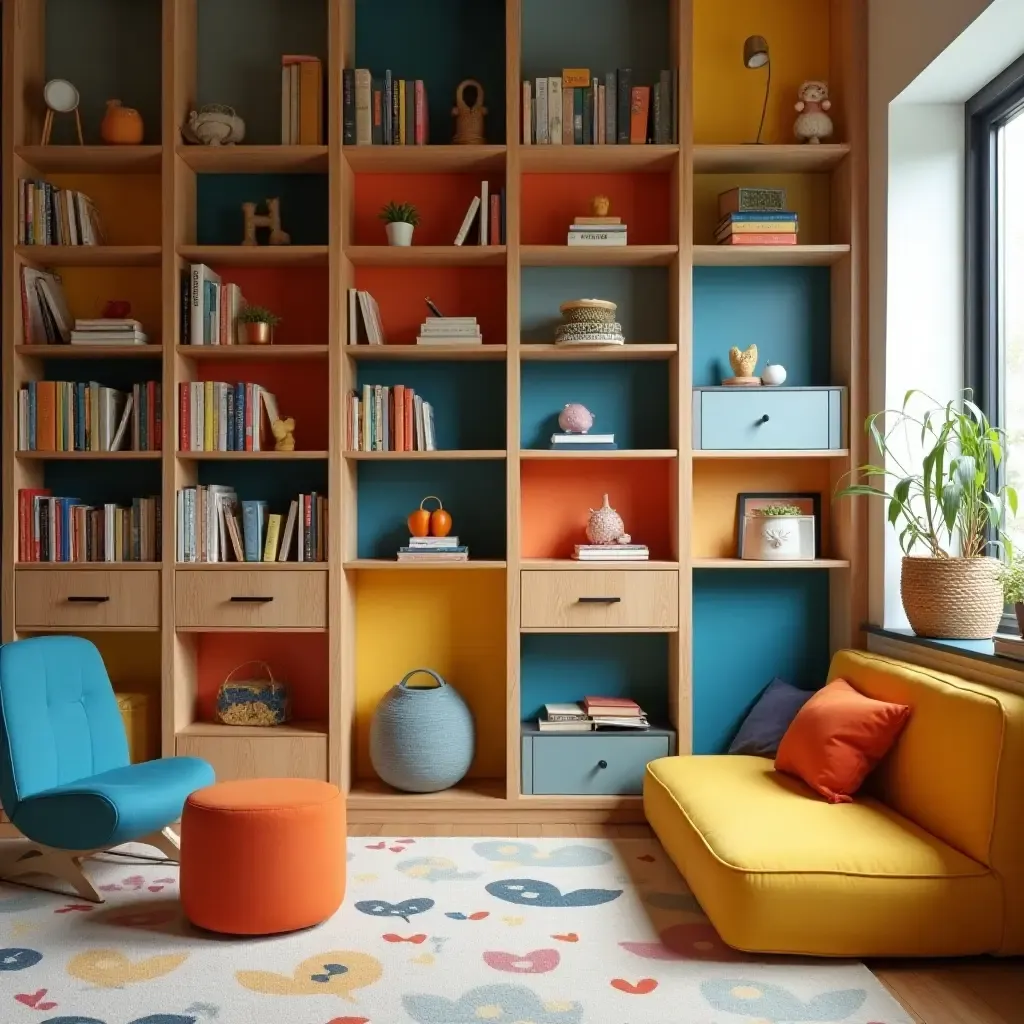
(575,418)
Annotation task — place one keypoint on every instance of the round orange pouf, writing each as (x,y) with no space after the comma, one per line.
(261,856)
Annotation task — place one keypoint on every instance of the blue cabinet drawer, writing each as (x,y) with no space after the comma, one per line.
(594,764)
(758,419)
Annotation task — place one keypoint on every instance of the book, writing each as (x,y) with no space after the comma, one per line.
(348,107)
(587,446)
(623,93)
(564,713)
(289,532)
(546,725)
(527,113)
(756,227)
(555,111)
(273,538)
(752,200)
(605,225)
(608,722)
(543,124)
(574,78)
(432,556)
(467,221)
(433,542)
(563,440)
(596,238)
(567,115)
(620,706)
(773,239)
(363,84)
(639,111)
(485,213)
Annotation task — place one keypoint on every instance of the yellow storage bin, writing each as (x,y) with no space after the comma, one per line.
(141,726)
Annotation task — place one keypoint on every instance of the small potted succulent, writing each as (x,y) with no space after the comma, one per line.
(400,219)
(256,326)
(1011,576)
(776,532)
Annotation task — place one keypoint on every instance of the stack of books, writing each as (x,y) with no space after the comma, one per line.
(214,416)
(755,216)
(48,215)
(108,331)
(488,209)
(214,526)
(209,308)
(576,109)
(68,530)
(302,101)
(450,330)
(1007,646)
(583,442)
(597,231)
(433,549)
(44,308)
(389,419)
(594,713)
(385,111)
(611,553)
(363,309)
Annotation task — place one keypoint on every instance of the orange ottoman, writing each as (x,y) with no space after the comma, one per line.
(260,856)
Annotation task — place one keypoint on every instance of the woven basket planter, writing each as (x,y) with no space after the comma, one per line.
(952,598)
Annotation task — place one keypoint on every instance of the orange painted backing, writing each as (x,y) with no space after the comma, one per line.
(128,204)
(301,390)
(88,289)
(299,297)
(552,201)
(441,200)
(460,291)
(717,483)
(727,96)
(558,495)
(298,659)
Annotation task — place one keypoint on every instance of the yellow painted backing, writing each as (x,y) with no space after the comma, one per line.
(717,484)
(727,97)
(89,288)
(806,194)
(452,622)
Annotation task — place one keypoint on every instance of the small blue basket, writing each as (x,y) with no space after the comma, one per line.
(422,738)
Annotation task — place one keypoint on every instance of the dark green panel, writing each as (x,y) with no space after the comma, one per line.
(277,483)
(107,49)
(441,42)
(219,199)
(241,43)
(97,482)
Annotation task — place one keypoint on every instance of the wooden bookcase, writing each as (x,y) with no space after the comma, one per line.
(343,629)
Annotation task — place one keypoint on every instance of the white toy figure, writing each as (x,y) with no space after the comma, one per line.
(813,124)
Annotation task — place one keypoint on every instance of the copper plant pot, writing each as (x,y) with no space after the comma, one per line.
(257,332)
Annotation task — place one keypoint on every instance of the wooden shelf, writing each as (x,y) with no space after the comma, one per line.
(92,255)
(245,159)
(572,564)
(449,455)
(788,453)
(597,159)
(92,159)
(256,255)
(752,159)
(470,794)
(252,566)
(426,255)
(581,353)
(450,353)
(83,566)
(270,456)
(611,453)
(393,564)
(289,729)
(768,255)
(254,353)
(745,563)
(598,255)
(88,456)
(426,159)
(90,351)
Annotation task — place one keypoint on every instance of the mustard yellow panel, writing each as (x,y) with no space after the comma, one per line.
(128,204)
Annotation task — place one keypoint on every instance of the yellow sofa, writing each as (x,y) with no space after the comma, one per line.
(927,861)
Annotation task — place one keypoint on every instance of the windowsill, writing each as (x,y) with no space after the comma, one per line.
(979,650)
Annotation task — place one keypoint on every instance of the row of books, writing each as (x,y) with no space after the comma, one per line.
(52,529)
(302,103)
(363,310)
(385,111)
(214,526)
(44,308)
(450,330)
(577,109)
(769,227)
(389,419)
(611,553)
(214,416)
(209,308)
(594,713)
(74,416)
(48,215)
(488,211)
(433,549)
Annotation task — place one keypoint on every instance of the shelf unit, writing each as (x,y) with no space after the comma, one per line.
(326,744)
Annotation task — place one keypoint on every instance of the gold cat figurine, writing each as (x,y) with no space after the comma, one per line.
(743,363)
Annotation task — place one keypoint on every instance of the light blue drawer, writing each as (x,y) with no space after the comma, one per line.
(597,764)
(768,418)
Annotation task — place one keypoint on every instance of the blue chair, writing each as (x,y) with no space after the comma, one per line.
(65,777)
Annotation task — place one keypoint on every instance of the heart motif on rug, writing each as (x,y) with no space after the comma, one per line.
(645,986)
(70,908)
(567,937)
(539,961)
(414,939)
(478,915)
(376,846)
(35,1000)
(349,1020)
(424,958)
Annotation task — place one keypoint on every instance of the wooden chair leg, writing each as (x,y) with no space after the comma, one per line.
(166,841)
(65,865)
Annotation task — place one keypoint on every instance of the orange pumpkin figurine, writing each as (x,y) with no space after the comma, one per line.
(419,522)
(440,522)
(121,126)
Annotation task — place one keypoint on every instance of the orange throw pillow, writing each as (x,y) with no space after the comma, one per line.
(837,737)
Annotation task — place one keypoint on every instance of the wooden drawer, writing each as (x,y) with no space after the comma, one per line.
(259,757)
(739,419)
(600,599)
(87,598)
(250,599)
(590,764)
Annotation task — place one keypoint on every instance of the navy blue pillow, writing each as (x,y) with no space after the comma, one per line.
(762,730)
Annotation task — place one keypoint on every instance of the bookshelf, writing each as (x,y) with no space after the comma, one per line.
(344,630)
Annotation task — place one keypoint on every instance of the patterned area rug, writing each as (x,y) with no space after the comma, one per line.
(433,931)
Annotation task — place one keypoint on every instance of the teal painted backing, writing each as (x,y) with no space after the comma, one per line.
(97,483)
(601,35)
(107,49)
(628,399)
(473,492)
(277,483)
(441,42)
(785,310)
(239,56)
(747,628)
(219,198)
(557,668)
(640,292)
(468,398)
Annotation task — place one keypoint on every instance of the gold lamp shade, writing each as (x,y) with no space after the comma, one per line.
(755,52)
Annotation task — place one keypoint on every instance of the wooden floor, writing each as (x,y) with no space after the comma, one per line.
(975,991)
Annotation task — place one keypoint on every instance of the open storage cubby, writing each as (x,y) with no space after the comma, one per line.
(507,627)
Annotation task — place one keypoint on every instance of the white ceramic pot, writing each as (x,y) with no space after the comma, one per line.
(773,375)
(399,233)
(778,538)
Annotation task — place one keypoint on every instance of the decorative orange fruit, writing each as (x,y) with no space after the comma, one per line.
(419,523)
(440,523)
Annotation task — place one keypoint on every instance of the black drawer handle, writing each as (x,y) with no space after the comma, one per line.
(88,598)
(252,600)
(762,421)
(598,600)
(602,764)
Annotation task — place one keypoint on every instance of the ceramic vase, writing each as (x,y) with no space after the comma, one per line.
(399,233)
(605,525)
(258,332)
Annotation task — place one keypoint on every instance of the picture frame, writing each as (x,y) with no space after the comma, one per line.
(809,504)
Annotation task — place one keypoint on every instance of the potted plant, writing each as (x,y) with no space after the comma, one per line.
(256,325)
(400,219)
(946,511)
(1011,576)
(773,533)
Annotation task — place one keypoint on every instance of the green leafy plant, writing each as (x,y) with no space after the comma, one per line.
(1011,577)
(949,496)
(776,511)
(258,315)
(400,213)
